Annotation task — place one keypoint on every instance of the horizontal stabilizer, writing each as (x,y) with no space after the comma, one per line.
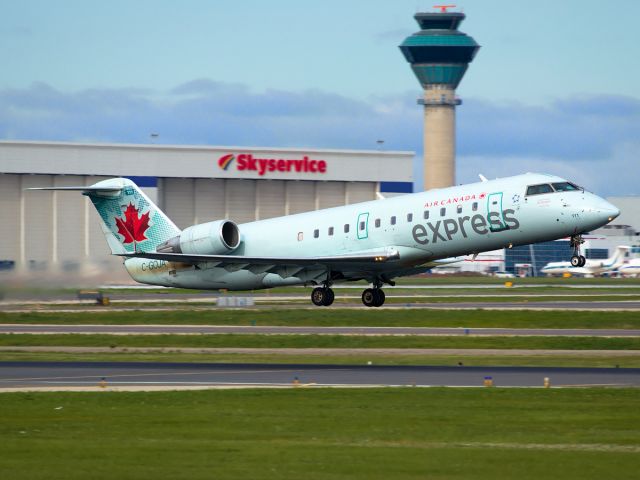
(80,189)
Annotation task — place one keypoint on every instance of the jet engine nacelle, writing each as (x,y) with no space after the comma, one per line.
(212,238)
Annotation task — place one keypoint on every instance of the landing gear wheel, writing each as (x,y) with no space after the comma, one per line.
(583,261)
(373,297)
(329,297)
(369,297)
(322,296)
(381,297)
(318,296)
(576,261)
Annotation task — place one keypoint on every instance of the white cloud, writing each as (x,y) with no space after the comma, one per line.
(592,140)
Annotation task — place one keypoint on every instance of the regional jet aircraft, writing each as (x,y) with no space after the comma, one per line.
(590,267)
(375,241)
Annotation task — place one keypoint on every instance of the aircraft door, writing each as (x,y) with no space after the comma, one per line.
(363,226)
(494,212)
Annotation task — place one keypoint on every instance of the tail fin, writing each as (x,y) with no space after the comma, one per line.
(130,221)
(618,256)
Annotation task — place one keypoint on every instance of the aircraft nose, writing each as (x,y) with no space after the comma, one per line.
(611,211)
(607,211)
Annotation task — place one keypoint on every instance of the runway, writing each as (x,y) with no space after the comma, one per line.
(281,330)
(59,375)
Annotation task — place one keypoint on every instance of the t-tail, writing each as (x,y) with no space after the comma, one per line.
(131,222)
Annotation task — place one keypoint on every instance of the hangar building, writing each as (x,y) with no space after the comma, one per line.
(59,231)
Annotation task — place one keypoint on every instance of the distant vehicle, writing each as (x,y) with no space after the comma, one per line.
(631,269)
(373,241)
(503,274)
(591,267)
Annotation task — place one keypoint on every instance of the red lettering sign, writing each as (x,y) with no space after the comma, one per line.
(246,161)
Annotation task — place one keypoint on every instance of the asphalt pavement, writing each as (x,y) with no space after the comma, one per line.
(76,374)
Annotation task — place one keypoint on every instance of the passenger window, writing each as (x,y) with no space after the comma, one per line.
(362,225)
(474,207)
(426,215)
(393,220)
(300,236)
(459,209)
(330,231)
(346,228)
(539,189)
(316,233)
(443,212)
(377,223)
(409,217)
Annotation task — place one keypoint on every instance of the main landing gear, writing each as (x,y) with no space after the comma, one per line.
(322,296)
(373,297)
(577,260)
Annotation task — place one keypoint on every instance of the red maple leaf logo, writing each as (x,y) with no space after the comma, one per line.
(133,227)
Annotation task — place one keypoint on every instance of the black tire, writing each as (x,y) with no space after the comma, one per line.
(380,297)
(329,297)
(318,296)
(583,260)
(576,261)
(369,297)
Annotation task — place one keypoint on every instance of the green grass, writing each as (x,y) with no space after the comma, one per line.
(505,360)
(407,433)
(341,317)
(320,341)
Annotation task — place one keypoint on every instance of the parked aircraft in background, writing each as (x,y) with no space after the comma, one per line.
(375,241)
(591,267)
(632,268)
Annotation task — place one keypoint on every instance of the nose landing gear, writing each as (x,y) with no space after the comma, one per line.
(577,260)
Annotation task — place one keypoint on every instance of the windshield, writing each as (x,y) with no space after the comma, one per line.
(539,189)
(565,187)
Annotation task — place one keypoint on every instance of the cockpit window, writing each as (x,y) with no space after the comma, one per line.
(565,187)
(539,189)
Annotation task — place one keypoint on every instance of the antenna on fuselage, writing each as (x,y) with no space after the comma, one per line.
(482,177)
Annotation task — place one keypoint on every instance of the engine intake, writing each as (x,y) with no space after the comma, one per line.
(212,238)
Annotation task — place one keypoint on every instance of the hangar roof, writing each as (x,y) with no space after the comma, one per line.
(202,161)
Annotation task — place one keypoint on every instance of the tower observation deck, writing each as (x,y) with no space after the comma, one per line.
(439,55)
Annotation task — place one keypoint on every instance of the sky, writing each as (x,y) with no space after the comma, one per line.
(553,89)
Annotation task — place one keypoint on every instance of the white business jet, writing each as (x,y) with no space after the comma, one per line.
(591,267)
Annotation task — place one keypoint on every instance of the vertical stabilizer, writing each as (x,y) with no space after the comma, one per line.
(130,221)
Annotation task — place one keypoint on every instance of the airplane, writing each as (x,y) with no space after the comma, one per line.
(375,241)
(632,268)
(591,267)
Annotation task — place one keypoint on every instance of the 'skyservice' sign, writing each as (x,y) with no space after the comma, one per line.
(247,162)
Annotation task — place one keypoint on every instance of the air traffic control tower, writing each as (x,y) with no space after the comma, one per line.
(439,55)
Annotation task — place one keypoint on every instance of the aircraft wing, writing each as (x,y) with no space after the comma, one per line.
(355,266)
(333,261)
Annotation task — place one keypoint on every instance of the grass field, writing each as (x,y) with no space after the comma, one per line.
(321,341)
(337,317)
(584,360)
(322,434)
